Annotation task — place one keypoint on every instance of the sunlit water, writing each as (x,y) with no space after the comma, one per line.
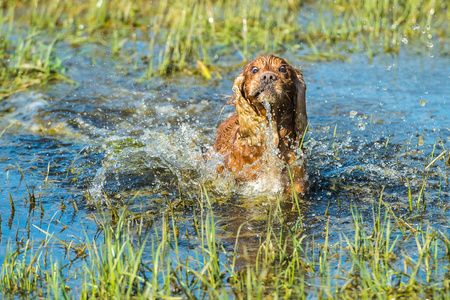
(372,125)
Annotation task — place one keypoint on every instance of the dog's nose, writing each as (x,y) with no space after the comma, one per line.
(268,77)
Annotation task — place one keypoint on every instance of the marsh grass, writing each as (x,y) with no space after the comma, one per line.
(127,262)
(192,36)
(27,56)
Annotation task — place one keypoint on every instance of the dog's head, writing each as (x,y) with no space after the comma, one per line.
(270,81)
(268,78)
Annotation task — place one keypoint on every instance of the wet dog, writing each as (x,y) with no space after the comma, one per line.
(263,138)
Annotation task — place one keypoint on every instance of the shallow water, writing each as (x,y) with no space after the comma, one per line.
(372,125)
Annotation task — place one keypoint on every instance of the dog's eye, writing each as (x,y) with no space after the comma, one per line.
(282,69)
(255,70)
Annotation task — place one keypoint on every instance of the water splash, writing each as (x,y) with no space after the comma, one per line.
(270,129)
(164,162)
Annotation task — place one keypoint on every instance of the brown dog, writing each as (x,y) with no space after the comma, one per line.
(263,138)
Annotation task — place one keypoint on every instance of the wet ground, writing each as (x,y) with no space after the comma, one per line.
(373,126)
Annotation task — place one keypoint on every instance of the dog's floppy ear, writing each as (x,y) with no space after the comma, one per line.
(301,119)
(249,122)
(238,86)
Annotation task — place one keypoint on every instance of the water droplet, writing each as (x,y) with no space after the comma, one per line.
(422,102)
(430,45)
(384,88)
(426,92)
(353,114)
(420,142)
(404,41)
(361,126)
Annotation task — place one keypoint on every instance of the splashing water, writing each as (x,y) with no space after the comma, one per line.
(269,181)
(164,162)
(271,129)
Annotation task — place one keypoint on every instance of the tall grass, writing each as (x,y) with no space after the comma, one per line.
(128,264)
(27,60)
(180,33)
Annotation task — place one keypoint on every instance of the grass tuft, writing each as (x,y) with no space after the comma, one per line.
(179,34)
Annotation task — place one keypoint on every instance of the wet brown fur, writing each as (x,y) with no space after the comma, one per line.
(243,138)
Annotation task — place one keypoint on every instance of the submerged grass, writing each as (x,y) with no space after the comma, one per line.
(192,35)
